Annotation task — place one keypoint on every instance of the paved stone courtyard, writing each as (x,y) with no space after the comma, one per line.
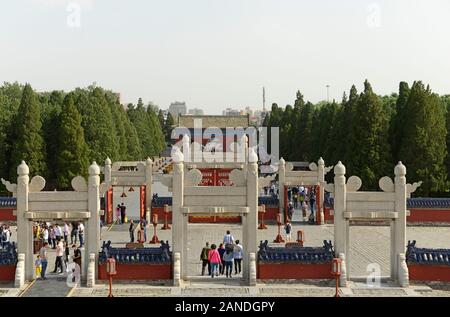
(369,244)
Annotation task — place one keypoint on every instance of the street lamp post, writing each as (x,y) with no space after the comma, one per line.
(155,239)
(336,270)
(279,238)
(110,270)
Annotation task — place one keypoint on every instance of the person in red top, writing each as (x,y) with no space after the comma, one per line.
(214,260)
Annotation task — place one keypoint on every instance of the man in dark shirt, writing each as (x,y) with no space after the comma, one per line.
(131,230)
(122,212)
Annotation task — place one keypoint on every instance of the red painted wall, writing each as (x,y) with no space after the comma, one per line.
(214,219)
(6,214)
(160,212)
(271,214)
(429,215)
(326,212)
(420,272)
(7,272)
(270,271)
(138,272)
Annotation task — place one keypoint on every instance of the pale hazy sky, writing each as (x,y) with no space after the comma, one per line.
(215,54)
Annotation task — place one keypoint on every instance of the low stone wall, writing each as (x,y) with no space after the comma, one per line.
(294,262)
(429,216)
(137,263)
(7,214)
(428,264)
(145,271)
(7,272)
(296,271)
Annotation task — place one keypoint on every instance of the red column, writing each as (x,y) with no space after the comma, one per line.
(142,201)
(109,207)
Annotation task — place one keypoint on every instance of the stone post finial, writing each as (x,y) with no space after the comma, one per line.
(108,161)
(321,161)
(282,161)
(94,169)
(23,169)
(339,169)
(148,161)
(252,156)
(177,155)
(400,169)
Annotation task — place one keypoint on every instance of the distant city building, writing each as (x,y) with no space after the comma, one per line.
(196,112)
(231,112)
(176,108)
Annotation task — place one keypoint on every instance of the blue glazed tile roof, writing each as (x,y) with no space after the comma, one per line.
(428,203)
(7,202)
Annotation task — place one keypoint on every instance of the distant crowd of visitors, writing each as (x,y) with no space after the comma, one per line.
(219,261)
(5,235)
(56,236)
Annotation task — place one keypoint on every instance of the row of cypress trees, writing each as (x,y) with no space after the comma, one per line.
(58,134)
(371,133)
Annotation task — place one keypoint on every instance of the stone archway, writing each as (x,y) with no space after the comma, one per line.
(314,177)
(33,203)
(355,205)
(189,198)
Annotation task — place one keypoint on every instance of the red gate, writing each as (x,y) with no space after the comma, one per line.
(215,177)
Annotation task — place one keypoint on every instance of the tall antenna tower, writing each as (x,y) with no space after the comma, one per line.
(264,99)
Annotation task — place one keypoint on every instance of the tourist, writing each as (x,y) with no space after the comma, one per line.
(45,234)
(66,253)
(290,210)
(77,256)
(143,226)
(214,260)
(59,256)
(228,238)
(52,236)
(228,259)
(204,259)
(43,257)
(304,208)
(81,233)
(58,233)
(221,252)
(74,233)
(122,212)
(38,266)
(238,253)
(288,230)
(66,231)
(131,230)
(312,200)
(118,214)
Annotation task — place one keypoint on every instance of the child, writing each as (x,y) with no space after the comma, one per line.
(38,266)
(304,208)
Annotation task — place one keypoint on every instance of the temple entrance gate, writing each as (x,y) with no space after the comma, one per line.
(129,174)
(314,177)
(390,205)
(34,204)
(191,199)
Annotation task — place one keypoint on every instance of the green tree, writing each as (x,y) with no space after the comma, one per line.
(157,132)
(168,127)
(371,156)
(142,123)
(398,120)
(28,144)
(72,159)
(423,148)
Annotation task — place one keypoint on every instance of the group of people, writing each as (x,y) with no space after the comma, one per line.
(142,227)
(219,261)
(5,235)
(304,198)
(54,233)
(271,190)
(121,213)
(62,256)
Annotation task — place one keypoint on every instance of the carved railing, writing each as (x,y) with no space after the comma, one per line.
(159,255)
(8,254)
(313,255)
(427,256)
